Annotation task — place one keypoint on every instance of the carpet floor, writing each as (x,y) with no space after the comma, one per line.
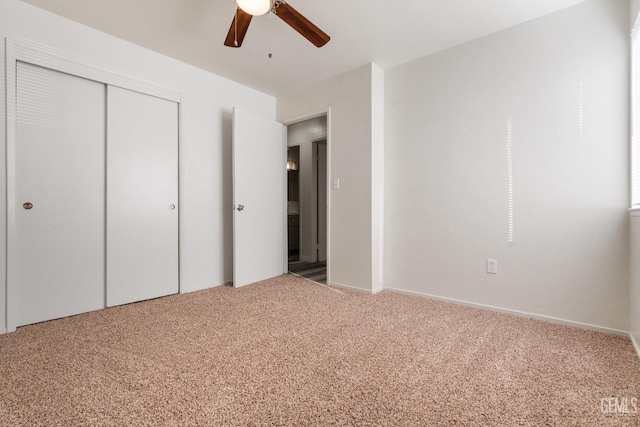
(289,352)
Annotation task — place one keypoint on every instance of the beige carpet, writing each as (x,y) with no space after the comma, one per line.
(287,352)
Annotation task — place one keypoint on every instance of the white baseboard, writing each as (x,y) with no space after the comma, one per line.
(352,288)
(518,313)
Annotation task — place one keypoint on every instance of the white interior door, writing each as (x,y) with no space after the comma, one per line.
(142,196)
(259,198)
(56,265)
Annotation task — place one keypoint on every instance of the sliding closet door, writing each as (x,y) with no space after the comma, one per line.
(142,196)
(57,265)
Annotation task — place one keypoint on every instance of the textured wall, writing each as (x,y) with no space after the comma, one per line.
(515,147)
(3,210)
(634,294)
(350,222)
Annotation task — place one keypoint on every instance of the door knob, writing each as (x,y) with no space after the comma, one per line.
(172,206)
(240,207)
(27,205)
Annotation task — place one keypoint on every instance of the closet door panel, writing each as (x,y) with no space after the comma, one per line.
(57,266)
(142,196)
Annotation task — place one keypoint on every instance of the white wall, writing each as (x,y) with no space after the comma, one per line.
(549,98)
(206,216)
(350,220)
(634,277)
(3,199)
(634,294)
(304,134)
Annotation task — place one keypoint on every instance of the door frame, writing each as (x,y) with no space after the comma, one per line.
(20,52)
(301,118)
(315,217)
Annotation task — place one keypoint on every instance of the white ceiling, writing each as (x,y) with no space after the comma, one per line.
(386,32)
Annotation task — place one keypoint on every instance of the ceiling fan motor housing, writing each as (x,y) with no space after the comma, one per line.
(247,9)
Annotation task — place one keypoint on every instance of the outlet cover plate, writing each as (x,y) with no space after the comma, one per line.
(492,266)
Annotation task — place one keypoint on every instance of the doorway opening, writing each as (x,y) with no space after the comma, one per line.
(307,172)
(293,204)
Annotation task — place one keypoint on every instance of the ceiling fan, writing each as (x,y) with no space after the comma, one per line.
(247,9)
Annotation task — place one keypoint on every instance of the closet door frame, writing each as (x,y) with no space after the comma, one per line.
(58,61)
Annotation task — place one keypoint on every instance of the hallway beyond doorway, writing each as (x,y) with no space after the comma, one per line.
(314,271)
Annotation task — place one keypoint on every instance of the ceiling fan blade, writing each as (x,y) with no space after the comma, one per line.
(238,30)
(301,24)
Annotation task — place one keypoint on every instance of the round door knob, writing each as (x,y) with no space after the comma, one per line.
(240,207)
(27,205)
(172,206)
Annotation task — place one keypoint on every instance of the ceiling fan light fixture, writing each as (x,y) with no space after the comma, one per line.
(255,7)
(247,9)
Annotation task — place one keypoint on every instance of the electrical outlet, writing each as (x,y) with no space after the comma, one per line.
(492,266)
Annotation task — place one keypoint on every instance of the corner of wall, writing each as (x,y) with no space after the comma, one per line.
(377,178)
(3,187)
(634,281)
